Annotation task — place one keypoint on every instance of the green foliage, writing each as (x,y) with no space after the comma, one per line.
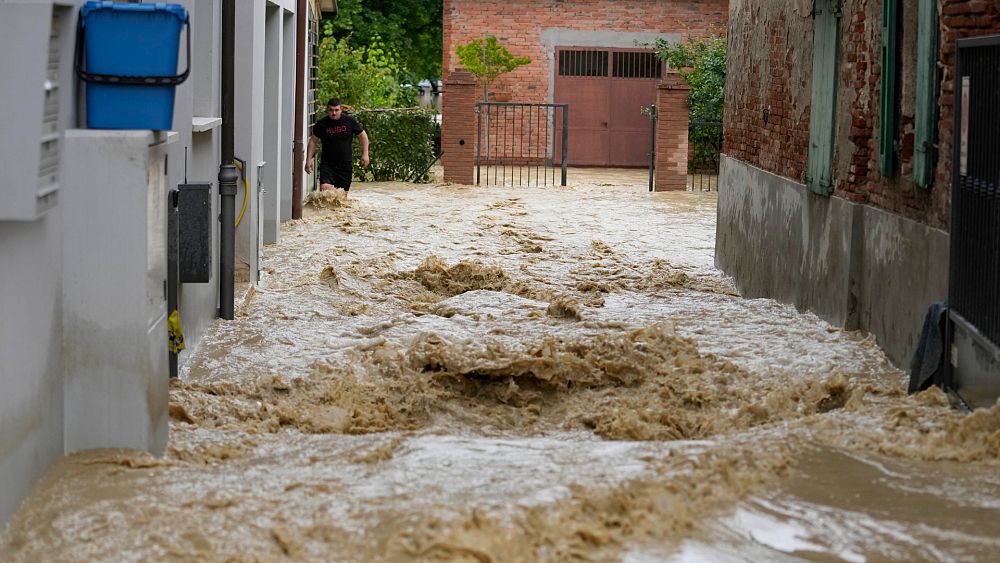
(702,63)
(412,27)
(360,77)
(706,138)
(367,51)
(488,59)
(400,143)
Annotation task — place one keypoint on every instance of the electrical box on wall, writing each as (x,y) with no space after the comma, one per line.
(34,47)
(194,207)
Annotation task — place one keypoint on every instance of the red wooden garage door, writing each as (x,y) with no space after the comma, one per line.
(606,90)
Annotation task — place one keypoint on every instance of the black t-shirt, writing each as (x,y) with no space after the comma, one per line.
(337,137)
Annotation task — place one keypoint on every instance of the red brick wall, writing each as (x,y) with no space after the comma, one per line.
(769,89)
(458,141)
(766,119)
(519,24)
(672,134)
(856,161)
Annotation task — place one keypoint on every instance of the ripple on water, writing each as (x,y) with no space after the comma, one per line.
(438,372)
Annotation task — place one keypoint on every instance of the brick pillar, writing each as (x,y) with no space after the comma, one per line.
(672,134)
(458,127)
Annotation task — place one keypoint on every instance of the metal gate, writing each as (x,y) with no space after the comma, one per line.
(704,150)
(606,88)
(974,273)
(521,144)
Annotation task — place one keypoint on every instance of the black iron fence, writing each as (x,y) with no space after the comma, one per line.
(704,150)
(974,286)
(654,116)
(521,144)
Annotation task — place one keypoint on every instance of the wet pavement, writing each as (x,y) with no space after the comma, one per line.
(441,372)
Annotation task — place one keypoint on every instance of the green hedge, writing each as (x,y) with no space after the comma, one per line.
(401,143)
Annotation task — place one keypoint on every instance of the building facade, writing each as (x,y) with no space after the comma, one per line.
(83,226)
(836,181)
(595,55)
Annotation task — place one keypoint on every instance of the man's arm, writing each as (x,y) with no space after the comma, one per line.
(363,137)
(310,154)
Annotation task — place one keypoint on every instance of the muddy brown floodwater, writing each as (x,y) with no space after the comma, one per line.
(438,372)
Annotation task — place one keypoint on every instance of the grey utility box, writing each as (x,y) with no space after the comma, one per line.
(114,274)
(194,226)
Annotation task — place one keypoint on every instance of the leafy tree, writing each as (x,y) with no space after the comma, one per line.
(413,28)
(488,59)
(361,77)
(702,63)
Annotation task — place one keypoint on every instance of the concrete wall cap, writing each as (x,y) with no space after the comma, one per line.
(460,75)
(673,81)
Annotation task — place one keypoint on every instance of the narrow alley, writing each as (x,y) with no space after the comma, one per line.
(445,372)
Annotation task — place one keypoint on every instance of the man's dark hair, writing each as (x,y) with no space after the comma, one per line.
(333,102)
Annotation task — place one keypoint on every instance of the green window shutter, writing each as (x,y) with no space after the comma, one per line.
(826,43)
(925,126)
(887,113)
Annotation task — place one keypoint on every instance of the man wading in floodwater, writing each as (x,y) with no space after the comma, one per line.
(337,131)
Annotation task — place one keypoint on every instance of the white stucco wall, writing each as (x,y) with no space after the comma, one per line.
(45,355)
(31,363)
(31,426)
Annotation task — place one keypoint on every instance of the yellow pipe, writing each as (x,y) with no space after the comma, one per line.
(246,190)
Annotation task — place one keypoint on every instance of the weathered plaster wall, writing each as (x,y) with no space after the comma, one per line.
(854,265)
(779,240)
(904,268)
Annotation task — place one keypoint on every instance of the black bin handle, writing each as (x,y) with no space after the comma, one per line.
(130,80)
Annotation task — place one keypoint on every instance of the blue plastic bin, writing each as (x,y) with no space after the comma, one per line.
(131,63)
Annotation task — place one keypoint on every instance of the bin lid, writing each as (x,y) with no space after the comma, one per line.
(177,10)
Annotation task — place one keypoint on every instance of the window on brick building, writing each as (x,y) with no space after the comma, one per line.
(925,118)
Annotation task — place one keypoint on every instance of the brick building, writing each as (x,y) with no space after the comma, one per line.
(836,182)
(592,54)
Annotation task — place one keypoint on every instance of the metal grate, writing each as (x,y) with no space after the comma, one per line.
(974,289)
(312,103)
(48,162)
(704,151)
(583,63)
(636,64)
(521,144)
